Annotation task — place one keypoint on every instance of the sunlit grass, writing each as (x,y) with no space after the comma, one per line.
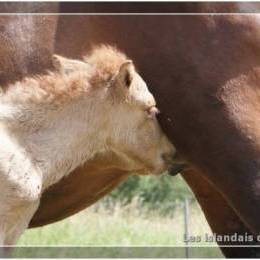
(118,226)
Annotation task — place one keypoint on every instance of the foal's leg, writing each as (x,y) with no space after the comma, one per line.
(19,221)
(20,195)
(3,252)
(13,222)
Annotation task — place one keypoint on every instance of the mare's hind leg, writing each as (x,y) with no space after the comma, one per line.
(222,219)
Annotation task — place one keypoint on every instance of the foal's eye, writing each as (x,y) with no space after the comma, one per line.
(152,112)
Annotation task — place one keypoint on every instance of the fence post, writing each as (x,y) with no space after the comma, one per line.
(186,226)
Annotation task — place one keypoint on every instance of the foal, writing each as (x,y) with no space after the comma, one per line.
(50,125)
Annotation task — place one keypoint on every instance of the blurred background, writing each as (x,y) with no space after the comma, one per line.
(147,210)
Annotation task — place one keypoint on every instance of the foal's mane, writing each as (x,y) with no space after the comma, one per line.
(106,60)
(101,65)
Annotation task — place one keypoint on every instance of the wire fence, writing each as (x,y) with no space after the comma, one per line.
(136,205)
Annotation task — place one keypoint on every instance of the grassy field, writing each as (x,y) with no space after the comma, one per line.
(120,226)
(153,218)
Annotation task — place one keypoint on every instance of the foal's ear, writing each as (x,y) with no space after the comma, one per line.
(126,73)
(66,65)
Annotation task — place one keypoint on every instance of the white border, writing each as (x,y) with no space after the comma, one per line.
(131,14)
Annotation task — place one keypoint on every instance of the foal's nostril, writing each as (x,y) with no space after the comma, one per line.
(175,162)
(177,168)
(168,158)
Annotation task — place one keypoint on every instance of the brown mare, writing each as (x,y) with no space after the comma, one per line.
(203,71)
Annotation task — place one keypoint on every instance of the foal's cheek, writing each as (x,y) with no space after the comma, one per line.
(152,135)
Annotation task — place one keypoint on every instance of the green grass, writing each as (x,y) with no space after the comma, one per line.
(149,219)
(120,226)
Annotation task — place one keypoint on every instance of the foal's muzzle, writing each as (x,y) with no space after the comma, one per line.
(177,168)
(176,164)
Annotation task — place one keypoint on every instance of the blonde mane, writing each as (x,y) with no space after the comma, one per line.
(99,67)
(106,60)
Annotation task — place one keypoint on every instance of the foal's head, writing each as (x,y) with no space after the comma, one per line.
(131,129)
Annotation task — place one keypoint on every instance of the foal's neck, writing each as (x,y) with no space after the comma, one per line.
(70,136)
